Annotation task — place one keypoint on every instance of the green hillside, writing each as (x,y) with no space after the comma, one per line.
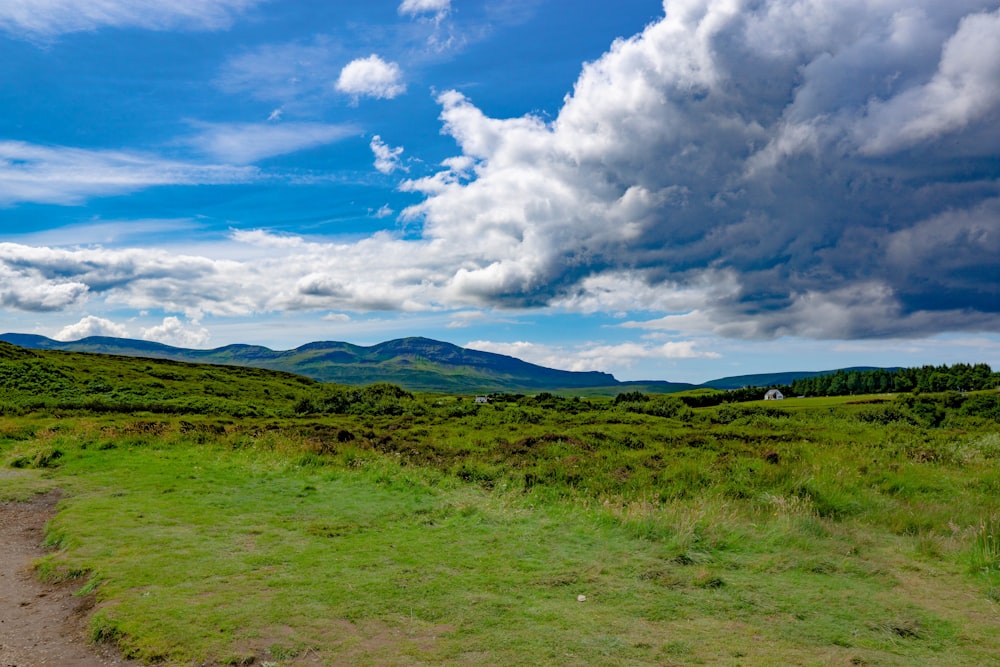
(55,379)
(418,364)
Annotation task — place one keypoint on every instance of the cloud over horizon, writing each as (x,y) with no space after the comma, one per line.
(593,356)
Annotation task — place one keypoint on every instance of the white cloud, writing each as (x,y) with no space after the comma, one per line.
(415,7)
(594,356)
(92,326)
(275,115)
(62,175)
(47,18)
(255,272)
(792,147)
(371,77)
(244,143)
(386,157)
(175,332)
(27,289)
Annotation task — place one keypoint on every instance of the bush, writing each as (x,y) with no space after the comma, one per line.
(982,405)
(730,413)
(886,414)
(376,400)
(656,406)
(631,397)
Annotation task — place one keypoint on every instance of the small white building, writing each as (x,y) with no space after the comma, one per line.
(482,399)
(773,395)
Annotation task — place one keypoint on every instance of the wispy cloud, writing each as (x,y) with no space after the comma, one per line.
(48,18)
(434,12)
(244,143)
(371,77)
(294,74)
(65,175)
(109,232)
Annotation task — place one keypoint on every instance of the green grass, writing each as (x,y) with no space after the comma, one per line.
(247,543)
(429,530)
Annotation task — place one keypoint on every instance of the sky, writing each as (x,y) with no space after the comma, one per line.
(678,190)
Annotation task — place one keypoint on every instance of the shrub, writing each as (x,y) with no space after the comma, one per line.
(631,397)
(730,413)
(379,399)
(886,414)
(655,406)
(982,405)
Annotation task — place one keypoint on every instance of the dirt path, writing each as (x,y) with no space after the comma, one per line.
(40,624)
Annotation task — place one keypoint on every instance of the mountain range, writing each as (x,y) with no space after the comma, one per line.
(417,364)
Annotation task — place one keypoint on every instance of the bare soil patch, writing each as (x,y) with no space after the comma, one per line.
(40,624)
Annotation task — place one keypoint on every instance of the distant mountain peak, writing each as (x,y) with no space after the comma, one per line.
(414,362)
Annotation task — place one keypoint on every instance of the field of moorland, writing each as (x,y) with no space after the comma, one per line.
(230,516)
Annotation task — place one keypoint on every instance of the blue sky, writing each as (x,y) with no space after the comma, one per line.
(680,190)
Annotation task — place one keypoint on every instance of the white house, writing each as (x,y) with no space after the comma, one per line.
(773,395)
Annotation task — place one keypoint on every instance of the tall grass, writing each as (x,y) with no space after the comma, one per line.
(986,545)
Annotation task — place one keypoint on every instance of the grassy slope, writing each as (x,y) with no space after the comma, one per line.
(33,379)
(419,364)
(463,535)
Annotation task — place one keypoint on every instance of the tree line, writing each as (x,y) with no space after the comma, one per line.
(959,377)
(927,379)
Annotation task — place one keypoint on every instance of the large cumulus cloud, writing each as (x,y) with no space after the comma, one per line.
(832,165)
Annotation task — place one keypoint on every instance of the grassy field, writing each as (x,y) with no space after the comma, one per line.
(428,530)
